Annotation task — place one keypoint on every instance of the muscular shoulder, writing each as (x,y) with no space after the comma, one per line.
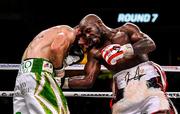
(132,26)
(129,28)
(67,31)
(57,29)
(133,31)
(64,27)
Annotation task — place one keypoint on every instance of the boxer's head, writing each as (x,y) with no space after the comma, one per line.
(92,29)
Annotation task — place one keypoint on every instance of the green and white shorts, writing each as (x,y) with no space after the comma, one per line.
(36,91)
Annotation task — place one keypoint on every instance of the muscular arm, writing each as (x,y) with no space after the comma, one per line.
(142,43)
(91,70)
(59,48)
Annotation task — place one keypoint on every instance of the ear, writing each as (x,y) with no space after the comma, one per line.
(78,31)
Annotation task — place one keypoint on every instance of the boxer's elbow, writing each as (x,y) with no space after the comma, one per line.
(152,45)
(144,46)
(88,82)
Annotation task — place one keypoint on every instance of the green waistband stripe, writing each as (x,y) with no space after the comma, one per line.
(18,112)
(37,65)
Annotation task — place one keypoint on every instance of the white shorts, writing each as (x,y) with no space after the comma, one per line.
(36,91)
(137,96)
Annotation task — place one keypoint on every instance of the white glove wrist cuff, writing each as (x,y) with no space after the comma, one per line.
(128,49)
(60,72)
(66,83)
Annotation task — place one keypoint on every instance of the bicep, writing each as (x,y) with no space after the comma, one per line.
(92,67)
(141,42)
(132,31)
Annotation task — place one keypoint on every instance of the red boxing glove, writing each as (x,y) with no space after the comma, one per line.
(112,53)
(115,52)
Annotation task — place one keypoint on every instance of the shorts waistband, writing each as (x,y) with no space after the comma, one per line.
(146,65)
(36,65)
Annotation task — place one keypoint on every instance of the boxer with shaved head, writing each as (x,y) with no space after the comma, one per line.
(139,84)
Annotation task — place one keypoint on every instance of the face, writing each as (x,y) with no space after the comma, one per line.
(90,35)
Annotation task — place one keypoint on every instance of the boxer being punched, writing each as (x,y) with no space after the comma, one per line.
(36,91)
(139,85)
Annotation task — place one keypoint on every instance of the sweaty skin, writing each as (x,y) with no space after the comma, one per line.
(51,44)
(102,43)
(41,67)
(96,35)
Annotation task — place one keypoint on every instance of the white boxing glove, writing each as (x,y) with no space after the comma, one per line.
(59,74)
(75,55)
(71,59)
(66,83)
(115,52)
(128,50)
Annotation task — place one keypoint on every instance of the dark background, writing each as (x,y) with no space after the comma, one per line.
(21,20)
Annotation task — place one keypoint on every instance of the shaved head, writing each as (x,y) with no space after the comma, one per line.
(90,19)
(93,30)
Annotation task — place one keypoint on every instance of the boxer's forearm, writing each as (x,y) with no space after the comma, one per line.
(78,82)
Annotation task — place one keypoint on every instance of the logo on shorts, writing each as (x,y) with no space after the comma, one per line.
(47,66)
(26,66)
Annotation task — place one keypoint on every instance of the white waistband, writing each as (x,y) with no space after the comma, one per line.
(36,65)
(143,71)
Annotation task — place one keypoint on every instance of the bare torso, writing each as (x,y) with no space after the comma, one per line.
(96,37)
(119,38)
(41,46)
